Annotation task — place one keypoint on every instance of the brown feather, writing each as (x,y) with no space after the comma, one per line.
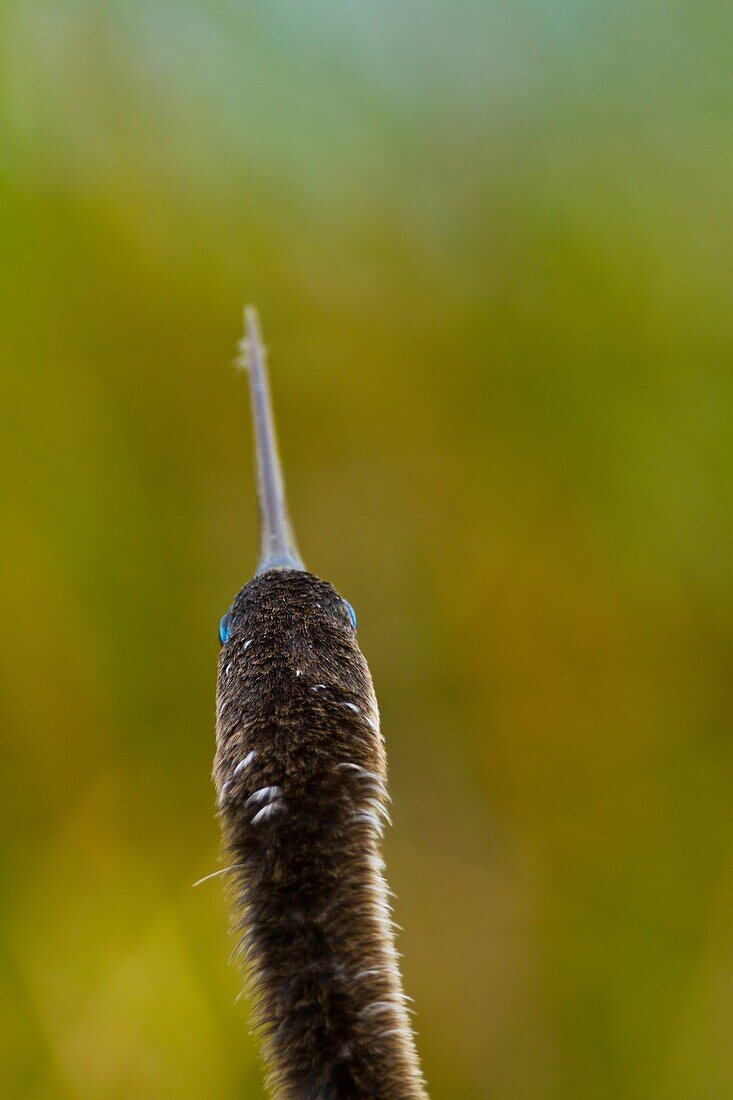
(300,774)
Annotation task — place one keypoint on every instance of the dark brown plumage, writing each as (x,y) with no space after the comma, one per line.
(300,775)
(297,719)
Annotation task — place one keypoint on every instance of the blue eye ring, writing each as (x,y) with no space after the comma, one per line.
(352,613)
(225,628)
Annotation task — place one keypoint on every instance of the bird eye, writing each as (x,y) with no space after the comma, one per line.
(352,613)
(224,628)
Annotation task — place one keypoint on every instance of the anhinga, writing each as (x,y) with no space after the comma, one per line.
(300,774)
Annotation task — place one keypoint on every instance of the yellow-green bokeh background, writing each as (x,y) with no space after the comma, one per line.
(491,246)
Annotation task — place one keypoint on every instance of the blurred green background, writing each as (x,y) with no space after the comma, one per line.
(491,244)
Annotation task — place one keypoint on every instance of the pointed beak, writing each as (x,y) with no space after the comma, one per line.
(278,548)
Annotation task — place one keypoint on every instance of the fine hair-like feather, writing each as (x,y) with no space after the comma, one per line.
(300,776)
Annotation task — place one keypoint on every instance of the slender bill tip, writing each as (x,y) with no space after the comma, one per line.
(278,548)
(250,344)
(252,334)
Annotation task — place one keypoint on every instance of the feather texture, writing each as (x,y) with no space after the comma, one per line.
(301,777)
